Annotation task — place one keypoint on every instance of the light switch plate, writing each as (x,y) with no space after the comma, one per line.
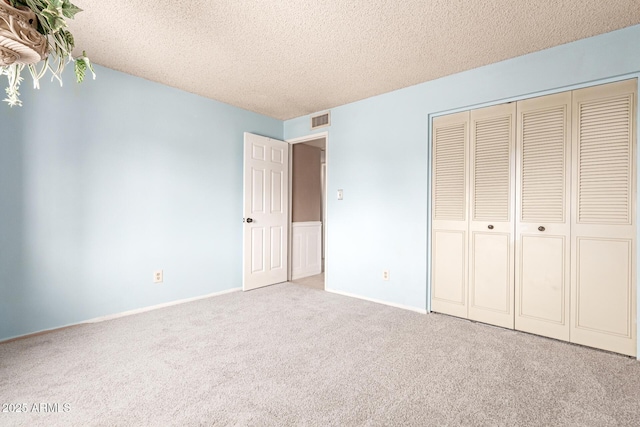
(340,194)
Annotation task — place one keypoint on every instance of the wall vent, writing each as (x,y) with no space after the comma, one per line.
(321,120)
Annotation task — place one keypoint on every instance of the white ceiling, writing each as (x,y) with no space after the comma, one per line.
(288,58)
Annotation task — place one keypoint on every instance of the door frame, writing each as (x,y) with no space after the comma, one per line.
(291,142)
(597,82)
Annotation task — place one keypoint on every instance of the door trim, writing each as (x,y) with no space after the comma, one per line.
(298,140)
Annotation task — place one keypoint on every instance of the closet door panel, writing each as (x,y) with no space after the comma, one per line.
(543,227)
(603,272)
(491,273)
(542,284)
(604,261)
(450,196)
(449,272)
(491,224)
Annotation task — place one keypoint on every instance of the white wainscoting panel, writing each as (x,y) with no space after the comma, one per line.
(306,247)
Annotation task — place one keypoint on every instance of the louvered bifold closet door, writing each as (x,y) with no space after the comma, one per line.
(603,250)
(450,179)
(491,226)
(543,225)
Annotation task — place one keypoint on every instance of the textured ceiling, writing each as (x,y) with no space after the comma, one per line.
(287,58)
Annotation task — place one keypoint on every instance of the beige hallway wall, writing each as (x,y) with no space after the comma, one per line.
(307,186)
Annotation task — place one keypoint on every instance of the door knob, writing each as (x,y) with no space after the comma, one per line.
(490,227)
(541,228)
(249,220)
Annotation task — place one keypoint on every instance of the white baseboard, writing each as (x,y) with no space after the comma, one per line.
(124,313)
(155,307)
(391,304)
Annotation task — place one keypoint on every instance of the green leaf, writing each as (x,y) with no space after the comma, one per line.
(69,9)
(53,19)
(81,65)
(81,69)
(54,4)
(68,39)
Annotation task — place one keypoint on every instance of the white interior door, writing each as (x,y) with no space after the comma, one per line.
(603,247)
(266,196)
(450,194)
(491,226)
(543,225)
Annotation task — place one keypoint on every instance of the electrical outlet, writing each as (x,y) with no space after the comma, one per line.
(157,276)
(385,274)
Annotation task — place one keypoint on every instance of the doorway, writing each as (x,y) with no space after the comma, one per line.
(307,226)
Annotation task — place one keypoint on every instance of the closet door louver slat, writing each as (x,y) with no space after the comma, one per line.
(543,164)
(449,150)
(491,176)
(604,161)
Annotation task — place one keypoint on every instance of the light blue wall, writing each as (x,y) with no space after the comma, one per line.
(145,177)
(378,154)
(105,182)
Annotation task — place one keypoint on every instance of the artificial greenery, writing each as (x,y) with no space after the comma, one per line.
(52,15)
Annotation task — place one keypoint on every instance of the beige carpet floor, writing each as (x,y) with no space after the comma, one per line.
(290,355)
(314,282)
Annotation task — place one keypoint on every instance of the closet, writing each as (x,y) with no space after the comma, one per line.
(533,216)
